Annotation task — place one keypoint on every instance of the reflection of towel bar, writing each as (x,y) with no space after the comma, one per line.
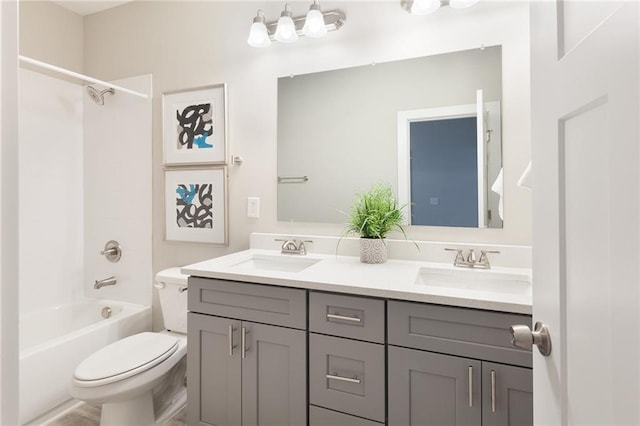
(293,179)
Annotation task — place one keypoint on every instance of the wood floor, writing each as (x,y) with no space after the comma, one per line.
(88,415)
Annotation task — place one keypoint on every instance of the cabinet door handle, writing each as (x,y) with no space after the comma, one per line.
(342,317)
(344,379)
(244,342)
(493,391)
(231,346)
(470,384)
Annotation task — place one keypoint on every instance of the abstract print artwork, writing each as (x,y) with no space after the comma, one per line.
(195,205)
(194,126)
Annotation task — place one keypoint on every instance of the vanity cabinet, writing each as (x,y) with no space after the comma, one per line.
(346,360)
(269,355)
(246,363)
(449,366)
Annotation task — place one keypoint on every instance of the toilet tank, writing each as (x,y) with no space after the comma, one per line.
(173,301)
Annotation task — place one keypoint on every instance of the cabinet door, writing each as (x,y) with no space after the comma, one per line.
(213,371)
(507,395)
(432,389)
(274,376)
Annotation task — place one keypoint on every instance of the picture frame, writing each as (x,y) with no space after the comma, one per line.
(194,126)
(196,205)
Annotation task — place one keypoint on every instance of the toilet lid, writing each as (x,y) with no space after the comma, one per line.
(126,357)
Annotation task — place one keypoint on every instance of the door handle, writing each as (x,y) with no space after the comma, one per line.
(523,337)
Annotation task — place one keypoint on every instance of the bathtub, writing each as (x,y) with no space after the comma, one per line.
(55,340)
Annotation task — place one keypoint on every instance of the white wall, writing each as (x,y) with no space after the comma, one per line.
(191,44)
(51,200)
(8,212)
(117,192)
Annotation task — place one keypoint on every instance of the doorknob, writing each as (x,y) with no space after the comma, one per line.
(523,337)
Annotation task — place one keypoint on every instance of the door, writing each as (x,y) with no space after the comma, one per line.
(507,395)
(584,90)
(214,371)
(274,375)
(426,388)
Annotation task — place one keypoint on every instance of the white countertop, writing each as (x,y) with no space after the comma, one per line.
(395,279)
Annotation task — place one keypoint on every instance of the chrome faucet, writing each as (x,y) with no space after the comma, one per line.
(105,282)
(471,261)
(291,246)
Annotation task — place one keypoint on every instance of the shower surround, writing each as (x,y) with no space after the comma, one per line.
(84,179)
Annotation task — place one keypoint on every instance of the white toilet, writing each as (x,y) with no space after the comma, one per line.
(140,380)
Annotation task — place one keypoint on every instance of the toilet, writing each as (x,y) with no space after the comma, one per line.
(140,380)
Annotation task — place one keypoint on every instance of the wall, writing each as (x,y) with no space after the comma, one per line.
(191,44)
(8,212)
(51,188)
(51,34)
(117,191)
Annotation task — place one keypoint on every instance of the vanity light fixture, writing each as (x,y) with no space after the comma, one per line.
(288,27)
(426,7)
(258,34)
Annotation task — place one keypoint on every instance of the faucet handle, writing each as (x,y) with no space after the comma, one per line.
(484,259)
(301,248)
(459,256)
(471,257)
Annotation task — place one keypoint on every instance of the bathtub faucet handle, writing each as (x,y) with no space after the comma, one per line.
(105,282)
(112,251)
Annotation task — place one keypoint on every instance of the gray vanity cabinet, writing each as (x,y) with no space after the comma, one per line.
(507,395)
(426,388)
(449,366)
(239,370)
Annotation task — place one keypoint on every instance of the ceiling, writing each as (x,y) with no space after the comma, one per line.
(87,7)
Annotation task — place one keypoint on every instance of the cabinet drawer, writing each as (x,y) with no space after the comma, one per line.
(347,316)
(347,376)
(253,302)
(323,417)
(457,331)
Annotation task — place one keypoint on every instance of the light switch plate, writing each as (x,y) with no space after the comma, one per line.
(253,207)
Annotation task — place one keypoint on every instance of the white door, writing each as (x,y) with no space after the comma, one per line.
(584,59)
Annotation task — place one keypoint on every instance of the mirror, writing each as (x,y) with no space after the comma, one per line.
(412,123)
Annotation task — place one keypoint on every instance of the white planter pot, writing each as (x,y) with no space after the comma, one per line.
(372,250)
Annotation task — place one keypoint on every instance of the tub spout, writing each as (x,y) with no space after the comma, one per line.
(105,282)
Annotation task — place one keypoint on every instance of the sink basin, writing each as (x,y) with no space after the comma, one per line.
(474,281)
(281,263)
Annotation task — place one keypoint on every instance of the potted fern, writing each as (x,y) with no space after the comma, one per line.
(374,214)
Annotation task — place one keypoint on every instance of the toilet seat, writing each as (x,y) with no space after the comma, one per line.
(125,358)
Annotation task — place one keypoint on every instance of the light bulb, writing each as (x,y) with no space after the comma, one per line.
(424,7)
(286,29)
(314,25)
(258,34)
(461,4)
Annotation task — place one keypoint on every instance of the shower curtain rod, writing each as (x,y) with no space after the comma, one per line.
(80,76)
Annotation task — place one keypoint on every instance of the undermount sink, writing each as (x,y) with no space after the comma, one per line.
(470,280)
(279,263)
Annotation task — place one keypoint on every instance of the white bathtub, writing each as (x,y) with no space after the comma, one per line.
(55,340)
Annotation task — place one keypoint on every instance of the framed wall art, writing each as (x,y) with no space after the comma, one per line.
(196,205)
(194,126)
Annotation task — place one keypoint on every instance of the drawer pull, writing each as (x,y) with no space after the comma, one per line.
(231,346)
(344,379)
(493,391)
(342,317)
(470,386)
